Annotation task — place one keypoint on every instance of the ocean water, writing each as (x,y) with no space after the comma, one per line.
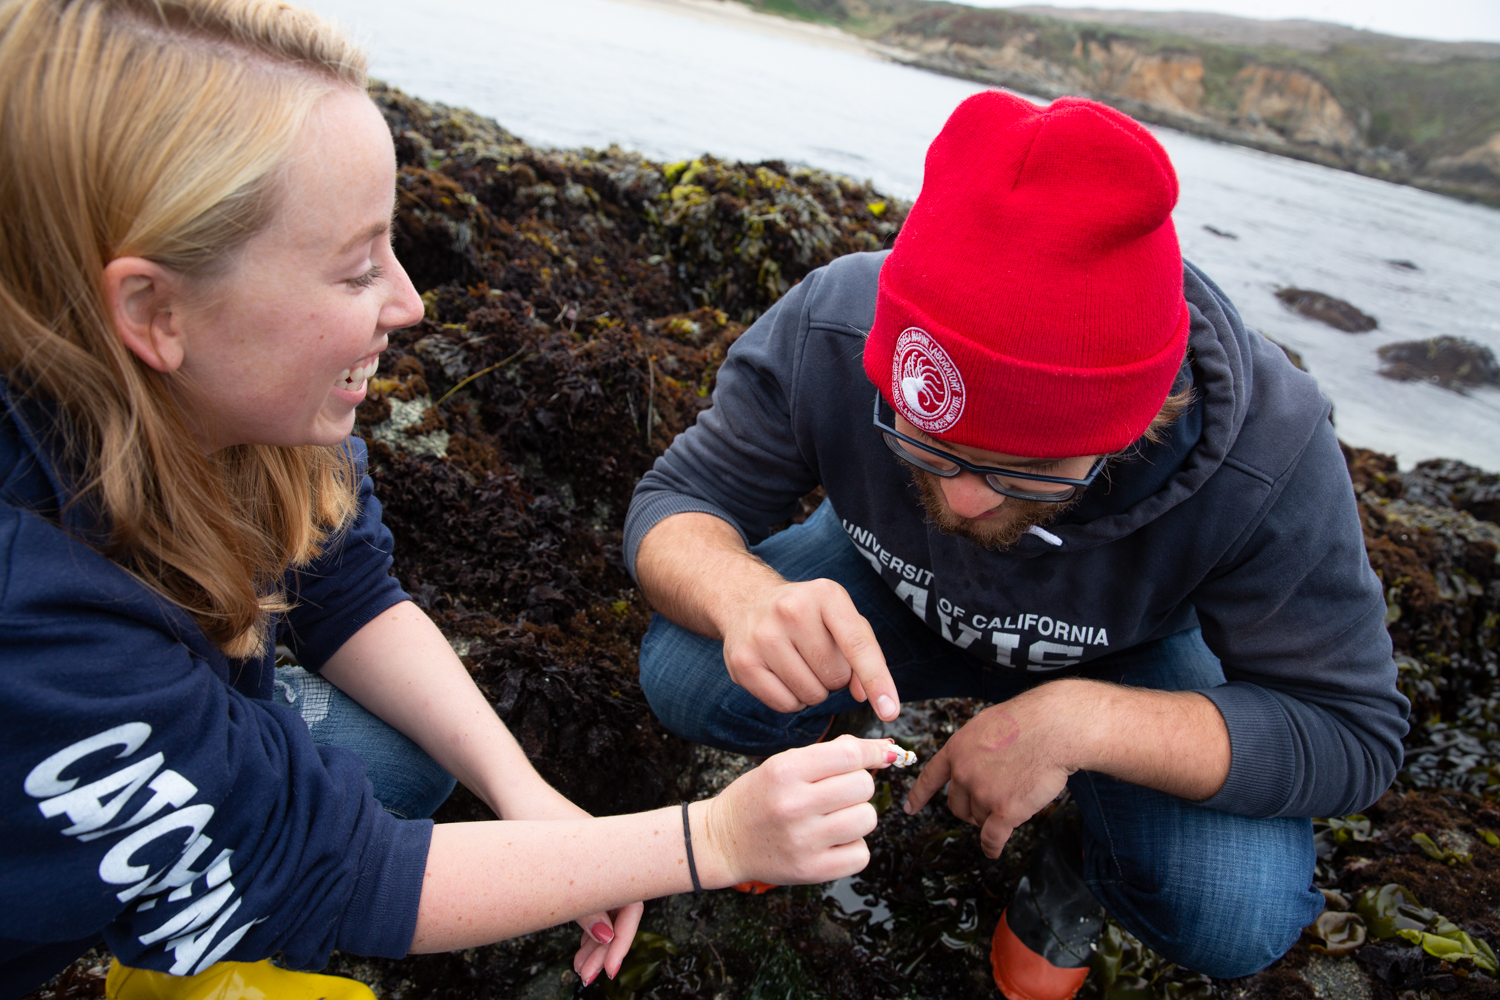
(595,72)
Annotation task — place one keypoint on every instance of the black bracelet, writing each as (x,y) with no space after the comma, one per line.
(687,838)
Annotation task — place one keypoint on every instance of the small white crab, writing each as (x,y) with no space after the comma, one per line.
(903,757)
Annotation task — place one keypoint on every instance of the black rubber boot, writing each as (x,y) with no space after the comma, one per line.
(1045,941)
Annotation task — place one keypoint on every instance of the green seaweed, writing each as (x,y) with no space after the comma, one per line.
(1392,911)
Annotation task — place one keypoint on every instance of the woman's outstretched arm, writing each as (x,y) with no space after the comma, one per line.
(401,668)
(798,818)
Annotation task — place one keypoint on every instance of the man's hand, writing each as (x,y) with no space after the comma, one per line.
(789,644)
(1013,758)
(1006,764)
(796,642)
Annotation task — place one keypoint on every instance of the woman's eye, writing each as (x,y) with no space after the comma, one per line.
(374,274)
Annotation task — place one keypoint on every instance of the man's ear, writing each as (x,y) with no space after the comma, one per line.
(139,295)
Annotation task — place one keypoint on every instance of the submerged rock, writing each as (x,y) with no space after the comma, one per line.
(1450,362)
(1326,309)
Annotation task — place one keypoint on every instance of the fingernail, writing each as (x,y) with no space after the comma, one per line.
(884,706)
(890,756)
(602,932)
(906,807)
(590,980)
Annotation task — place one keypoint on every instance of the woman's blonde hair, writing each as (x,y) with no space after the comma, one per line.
(159,129)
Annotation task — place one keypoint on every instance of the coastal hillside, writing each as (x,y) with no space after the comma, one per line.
(1412,111)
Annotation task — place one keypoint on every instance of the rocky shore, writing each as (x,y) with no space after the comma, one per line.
(579,303)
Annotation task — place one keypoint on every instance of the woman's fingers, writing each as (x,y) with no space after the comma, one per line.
(598,926)
(840,756)
(847,859)
(849,824)
(627,920)
(590,959)
(841,790)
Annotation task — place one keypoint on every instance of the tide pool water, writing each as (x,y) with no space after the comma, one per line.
(596,72)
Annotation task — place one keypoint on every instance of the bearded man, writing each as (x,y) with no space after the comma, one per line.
(1063,477)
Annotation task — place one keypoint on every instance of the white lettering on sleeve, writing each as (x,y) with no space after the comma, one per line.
(230,940)
(182,875)
(116,868)
(190,932)
(170,787)
(192,916)
(45,780)
(189,948)
(91,806)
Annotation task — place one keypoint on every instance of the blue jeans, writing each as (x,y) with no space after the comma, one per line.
(407,782)
(1217,893)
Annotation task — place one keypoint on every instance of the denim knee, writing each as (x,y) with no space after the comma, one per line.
(1222,927)
(1219,894)
(407,782)
(667,653)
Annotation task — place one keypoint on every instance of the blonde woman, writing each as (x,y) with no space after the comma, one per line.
(196,280)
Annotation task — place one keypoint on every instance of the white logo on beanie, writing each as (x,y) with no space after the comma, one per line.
(925,384)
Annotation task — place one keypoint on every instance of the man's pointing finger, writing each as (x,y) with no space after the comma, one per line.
(856,640)
(934,776)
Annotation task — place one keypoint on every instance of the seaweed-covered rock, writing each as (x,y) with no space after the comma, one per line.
(1326,309)
(1443,482)
(578,306)
(1451,362)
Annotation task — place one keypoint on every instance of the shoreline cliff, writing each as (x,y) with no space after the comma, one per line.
(1410,111)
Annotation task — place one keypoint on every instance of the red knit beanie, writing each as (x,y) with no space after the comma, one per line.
(1033,303)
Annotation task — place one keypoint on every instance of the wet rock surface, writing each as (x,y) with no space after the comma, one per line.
(578,306)
(1326,309)
(1451,362)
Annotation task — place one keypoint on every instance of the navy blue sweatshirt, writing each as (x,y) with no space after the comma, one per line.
(150,792)
(1243,523)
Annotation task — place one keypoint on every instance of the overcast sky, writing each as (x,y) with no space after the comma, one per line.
(1449,20)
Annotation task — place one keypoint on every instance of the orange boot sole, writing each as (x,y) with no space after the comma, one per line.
(1022,974)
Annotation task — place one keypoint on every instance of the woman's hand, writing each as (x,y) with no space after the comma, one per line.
(799,818)
(605,944)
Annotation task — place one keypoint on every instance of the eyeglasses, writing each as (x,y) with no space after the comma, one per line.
(1006,482)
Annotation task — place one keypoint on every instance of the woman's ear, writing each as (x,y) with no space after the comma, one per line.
(139,295)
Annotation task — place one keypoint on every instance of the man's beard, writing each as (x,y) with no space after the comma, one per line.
(1014,519)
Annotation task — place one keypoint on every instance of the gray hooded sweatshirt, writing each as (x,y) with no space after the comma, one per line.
(1244,522)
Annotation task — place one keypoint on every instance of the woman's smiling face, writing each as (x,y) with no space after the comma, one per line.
(278,350)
